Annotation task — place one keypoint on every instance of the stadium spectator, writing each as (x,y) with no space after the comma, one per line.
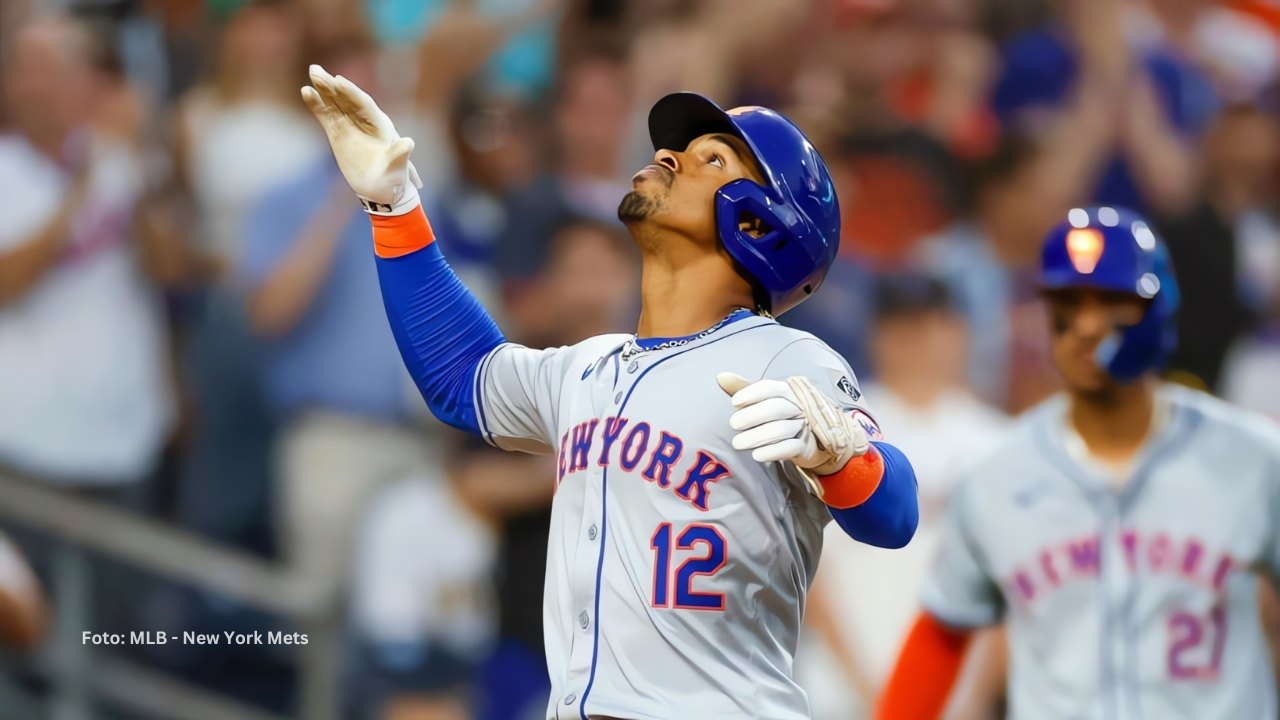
(83,380)
(593,103)
(1234,49)
(988,261)
(578,291)
(919,356)
(422,601)
(494,215)
(1226,252)
(1245,191)
(1117,120)
(703,46)
(1250,371)
(508,197)
(244,131)
(237,135)
(469,51)
(900,123)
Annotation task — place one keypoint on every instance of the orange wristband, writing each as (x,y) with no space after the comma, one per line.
(397,235)
(853,484)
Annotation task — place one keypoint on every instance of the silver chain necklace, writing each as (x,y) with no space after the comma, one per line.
(633,348)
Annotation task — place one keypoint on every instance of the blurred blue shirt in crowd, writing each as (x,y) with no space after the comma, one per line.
(1040,70)
(840,313)
(341,355)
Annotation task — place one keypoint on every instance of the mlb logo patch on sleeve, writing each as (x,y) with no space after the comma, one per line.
(847,387)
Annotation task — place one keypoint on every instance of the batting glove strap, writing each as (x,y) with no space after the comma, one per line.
(793,421)
(835,433)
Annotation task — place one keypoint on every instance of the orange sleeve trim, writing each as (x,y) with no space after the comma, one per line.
(927,668)
(397,235)
(853,484)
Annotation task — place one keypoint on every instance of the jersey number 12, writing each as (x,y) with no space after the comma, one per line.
(696,537)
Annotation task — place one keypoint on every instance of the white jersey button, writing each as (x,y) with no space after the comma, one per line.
(568,699)
(617,398)
(591,533)
(635,365)
(584,620)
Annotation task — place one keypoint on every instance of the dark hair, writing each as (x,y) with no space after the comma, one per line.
(113,10)
(909,294)
(601,47)
(355,42)
(102,46)
(997,168)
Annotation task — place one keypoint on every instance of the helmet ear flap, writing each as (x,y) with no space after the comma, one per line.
(765,236)
(1130,352)
(1149,343)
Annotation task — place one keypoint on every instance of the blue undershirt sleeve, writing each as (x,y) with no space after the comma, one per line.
(441,329)
(889,517)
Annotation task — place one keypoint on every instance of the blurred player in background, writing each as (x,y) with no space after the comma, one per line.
(1120,529)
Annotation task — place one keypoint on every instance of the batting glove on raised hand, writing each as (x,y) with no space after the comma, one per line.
(371,154)
(793,421)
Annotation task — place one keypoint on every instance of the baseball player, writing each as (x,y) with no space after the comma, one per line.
(699,459)
(1120,530)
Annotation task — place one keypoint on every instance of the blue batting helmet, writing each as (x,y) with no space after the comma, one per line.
(797,203)
(1115,249)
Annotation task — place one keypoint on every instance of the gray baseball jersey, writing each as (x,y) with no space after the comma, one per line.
(677,567)
(1136,602)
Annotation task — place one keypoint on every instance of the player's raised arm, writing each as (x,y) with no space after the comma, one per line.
(441,329)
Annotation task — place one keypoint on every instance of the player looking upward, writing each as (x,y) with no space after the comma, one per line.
(1119,531)
(699,459)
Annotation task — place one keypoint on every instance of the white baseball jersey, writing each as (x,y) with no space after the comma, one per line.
(1123,601)
(677,567)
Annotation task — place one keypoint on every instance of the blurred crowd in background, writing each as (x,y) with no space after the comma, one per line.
(191,327)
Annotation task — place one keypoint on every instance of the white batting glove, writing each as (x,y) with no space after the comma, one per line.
(371,154)
(792,421)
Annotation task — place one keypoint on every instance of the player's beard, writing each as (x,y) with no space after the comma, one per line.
(1105,394)
(636,207)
